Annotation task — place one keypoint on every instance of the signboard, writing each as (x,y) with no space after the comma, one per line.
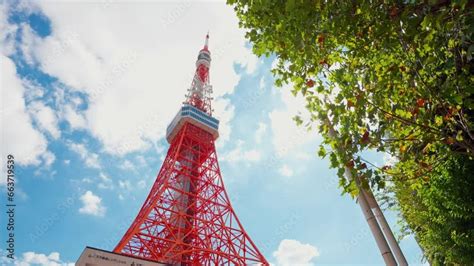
(98,257)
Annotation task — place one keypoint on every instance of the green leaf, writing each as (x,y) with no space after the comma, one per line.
(298,120)
(322,151)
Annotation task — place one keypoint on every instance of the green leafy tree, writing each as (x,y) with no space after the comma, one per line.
(390,76)
(441,213)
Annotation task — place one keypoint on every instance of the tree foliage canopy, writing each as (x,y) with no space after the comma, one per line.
(390,76)
(441,212)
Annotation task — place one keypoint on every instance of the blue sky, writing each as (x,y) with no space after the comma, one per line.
(87,91)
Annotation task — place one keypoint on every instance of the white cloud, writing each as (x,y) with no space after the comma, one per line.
(18,135)
(224,111)
(141,184)
(293,252)
(45,118)
(141,160)
(239,154)
(127,165)
(389,160)
(261,84)
(260,133)
(48,158)
(105,182)
(32,258)
(74,118)
(33,90)
(287,136)
(136,80)
(250,63)
(29,41)
(92,204)
(285,171)
(251,155)
(7,32)
(90,159)
(125,184)
(86,180)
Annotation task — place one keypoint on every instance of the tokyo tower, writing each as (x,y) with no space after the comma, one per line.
(187,219)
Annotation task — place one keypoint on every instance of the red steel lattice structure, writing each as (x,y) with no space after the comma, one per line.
(187,219)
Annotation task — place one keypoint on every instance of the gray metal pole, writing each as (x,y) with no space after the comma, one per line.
(369,215)
(373,204)
(374,227)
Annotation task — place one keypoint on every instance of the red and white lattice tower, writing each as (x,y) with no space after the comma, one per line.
(187,218)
